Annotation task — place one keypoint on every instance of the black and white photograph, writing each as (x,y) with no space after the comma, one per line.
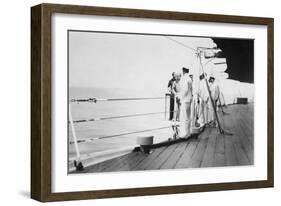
(159,101)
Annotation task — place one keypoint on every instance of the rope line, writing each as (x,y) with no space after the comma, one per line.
(117,135)
(115,117)
(180,43)
(94,100)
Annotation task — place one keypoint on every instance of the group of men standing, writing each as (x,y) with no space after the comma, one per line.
(191,105)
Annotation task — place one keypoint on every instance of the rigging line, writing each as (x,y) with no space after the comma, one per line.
(180,43)
(118,135)
(208,61)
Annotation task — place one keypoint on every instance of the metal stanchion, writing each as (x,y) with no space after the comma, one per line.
(77,163)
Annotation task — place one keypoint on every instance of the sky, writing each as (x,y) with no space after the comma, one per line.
(133,61)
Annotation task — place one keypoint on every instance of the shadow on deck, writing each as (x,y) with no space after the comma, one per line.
(210,149)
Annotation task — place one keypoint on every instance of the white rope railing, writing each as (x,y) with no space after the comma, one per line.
(115,117)
(117,135)
(95,100)
(76,141)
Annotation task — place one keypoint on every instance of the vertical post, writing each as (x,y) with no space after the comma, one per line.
(175,126)
(175,109)
(77,163)
(165,106)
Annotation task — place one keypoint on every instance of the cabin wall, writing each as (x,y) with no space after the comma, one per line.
(232,89)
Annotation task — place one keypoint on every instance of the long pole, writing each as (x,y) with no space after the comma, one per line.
(210,95)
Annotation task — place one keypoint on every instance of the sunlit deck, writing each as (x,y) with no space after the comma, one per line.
(210,149)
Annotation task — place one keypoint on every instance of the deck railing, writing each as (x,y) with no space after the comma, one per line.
(72,122)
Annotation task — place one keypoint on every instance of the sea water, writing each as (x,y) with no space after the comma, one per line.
(103,128)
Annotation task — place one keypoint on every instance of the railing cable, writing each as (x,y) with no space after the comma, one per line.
(117,135)
(115,117)
(95,100)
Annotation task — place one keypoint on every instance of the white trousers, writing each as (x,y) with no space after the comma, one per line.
(185,119)
(195,109)
(211,113)
(203,112)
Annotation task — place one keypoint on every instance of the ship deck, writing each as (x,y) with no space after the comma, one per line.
(209,149)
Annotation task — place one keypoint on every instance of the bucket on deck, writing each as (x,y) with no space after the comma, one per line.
(196,130)
(144,143)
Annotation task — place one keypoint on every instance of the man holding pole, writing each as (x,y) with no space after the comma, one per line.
(177,89)
(172,95)
(215,93)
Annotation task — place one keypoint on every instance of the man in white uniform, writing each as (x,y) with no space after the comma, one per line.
(215,93)
(176,90)
(204,98)
(186,100)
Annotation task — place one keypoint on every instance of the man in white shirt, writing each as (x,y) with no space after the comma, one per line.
(215,93)
(204,98)
(176,90)
(172,96)
(186,100)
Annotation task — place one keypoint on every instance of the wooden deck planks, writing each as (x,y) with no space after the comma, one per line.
(230,154)
(240,138)
(197,156)
(219,156)
(175,156)
(210,149)
(107,165)
(243,120)
(240,153)
(132,162)
(230,158)
(146,163)
(208,158)
(234,123)
(162,158)
(117,162)
(187,155)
